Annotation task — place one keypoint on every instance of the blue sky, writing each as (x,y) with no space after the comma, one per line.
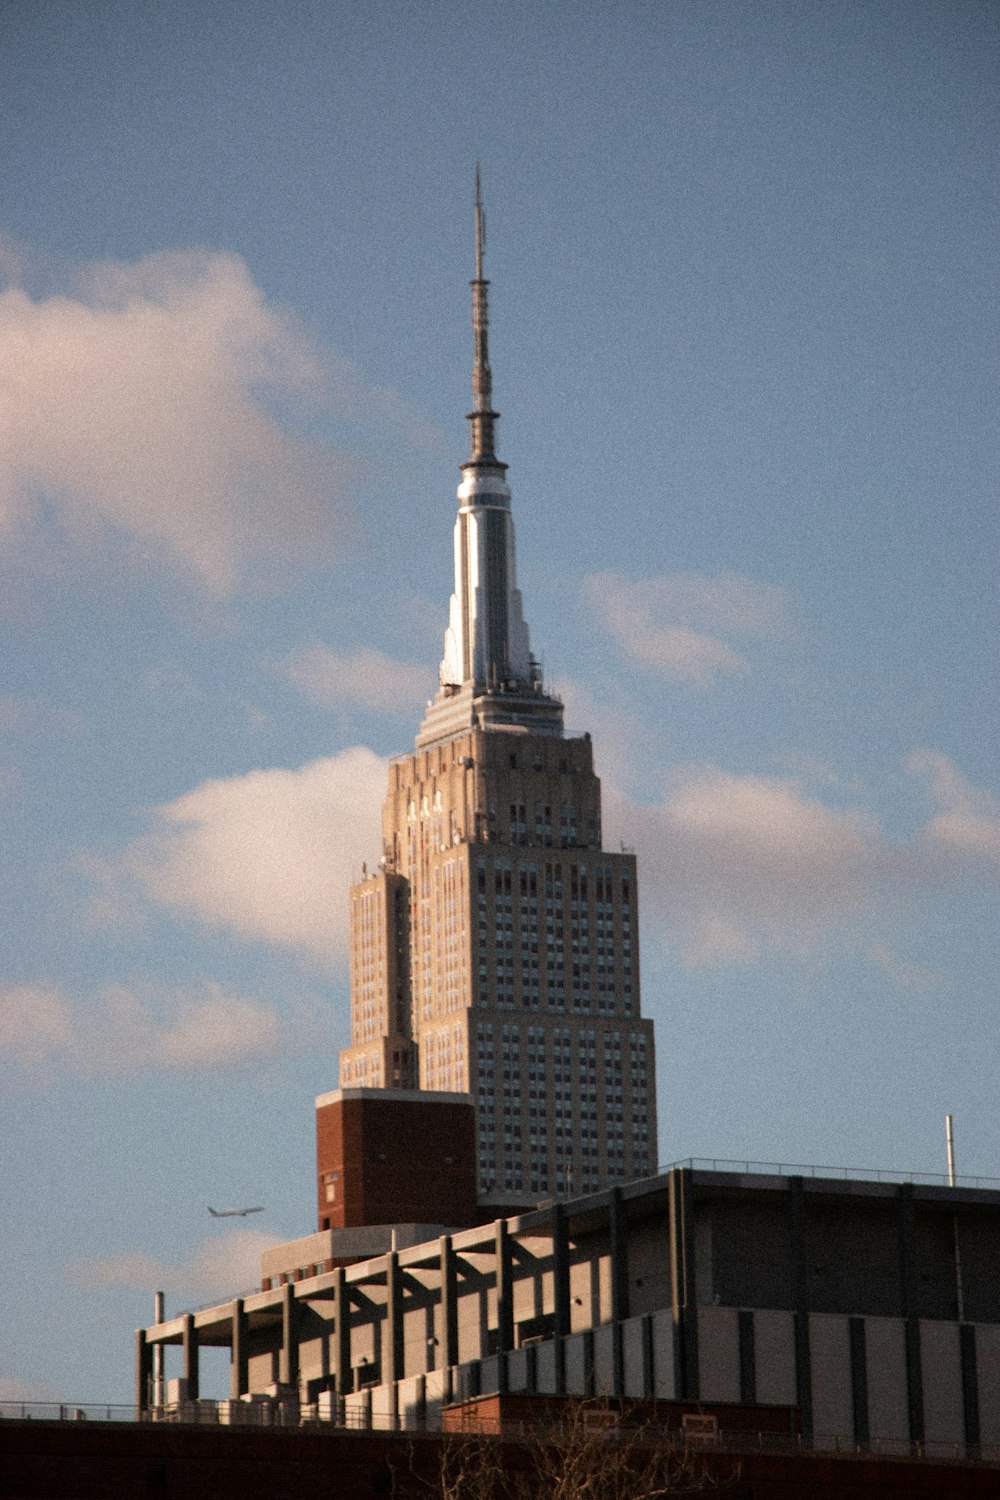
(744,335)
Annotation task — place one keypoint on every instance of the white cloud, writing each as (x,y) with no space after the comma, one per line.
(732,862)
(120,1032)
(366,677)
(627,752)
(25,714)
(36,1025)
(268,855)
(226,1264)
(966,827)
(676,624)
(732,865)
(137,404)
(905,974)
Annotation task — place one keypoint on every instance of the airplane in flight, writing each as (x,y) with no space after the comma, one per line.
(235,1213)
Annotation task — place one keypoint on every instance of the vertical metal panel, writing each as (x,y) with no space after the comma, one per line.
(546,1372)
(774,1357)
(832,1401)
(941,1368)
(988,1380)
(603,1360)
(718,1354)
(635,1382)
(664,1338)
(576,1350)
(885,1366)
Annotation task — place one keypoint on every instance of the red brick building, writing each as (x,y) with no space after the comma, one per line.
(395,1156)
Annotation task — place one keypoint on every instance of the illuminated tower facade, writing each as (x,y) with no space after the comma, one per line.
(496,950)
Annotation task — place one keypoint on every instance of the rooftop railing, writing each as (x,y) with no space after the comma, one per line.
(260,1412)
(840,1174)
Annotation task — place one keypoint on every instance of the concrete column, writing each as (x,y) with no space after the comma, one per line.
(970,1387)
(560,1291)
(449,1301)
(648,1360)
(392,1344)
(342,1372)
(143,1369)
(288,1357)
(684,1301)
(800,1301)
(159,1315)
(859,1379)
(908,1298)
(239,1376)
(505,1301)
(189,1345)
(618,1236)
(618,1239)
(748,1361)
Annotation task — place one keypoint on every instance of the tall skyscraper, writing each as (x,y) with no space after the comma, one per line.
(496,950)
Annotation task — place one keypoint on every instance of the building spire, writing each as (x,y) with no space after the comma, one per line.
(482,417)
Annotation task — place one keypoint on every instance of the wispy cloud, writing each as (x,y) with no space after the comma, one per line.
(627,752)
(966,826)
(27,714)
(120,1031)
(903,972)
(268,856)
(736,864)
(730,860)
(683,625)
(227,1263)
(367,678)
(146,401)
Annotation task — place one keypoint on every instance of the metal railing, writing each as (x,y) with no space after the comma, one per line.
(263,1412)
(838,1174)
(67,1411)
